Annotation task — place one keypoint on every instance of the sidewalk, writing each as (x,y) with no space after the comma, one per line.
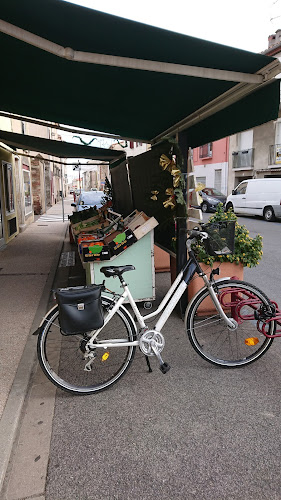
(27,270)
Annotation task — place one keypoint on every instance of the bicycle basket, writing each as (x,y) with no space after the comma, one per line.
(221,238)
(80,309)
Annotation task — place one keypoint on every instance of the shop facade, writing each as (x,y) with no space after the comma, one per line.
(9,226)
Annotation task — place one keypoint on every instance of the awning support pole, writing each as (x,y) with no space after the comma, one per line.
(62,196)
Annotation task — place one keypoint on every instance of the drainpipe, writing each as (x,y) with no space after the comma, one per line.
(227,164)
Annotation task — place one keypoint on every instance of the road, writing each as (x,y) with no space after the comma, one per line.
(267,274)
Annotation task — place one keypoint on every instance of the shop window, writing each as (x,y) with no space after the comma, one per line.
(8,187)
(27,190)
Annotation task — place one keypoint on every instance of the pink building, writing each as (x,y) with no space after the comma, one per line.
(211,164)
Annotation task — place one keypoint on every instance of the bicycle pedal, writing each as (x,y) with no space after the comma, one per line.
(164,367)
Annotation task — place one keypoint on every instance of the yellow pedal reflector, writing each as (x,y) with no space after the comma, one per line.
(105,356)
(252,341)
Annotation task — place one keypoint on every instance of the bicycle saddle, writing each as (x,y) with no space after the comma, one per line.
(109,271)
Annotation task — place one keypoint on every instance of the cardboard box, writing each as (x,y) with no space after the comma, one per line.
(95,251)
(137,220)
(130,217)
(86,237)
(95,219)
(87,226)
(119,241)
(145,228)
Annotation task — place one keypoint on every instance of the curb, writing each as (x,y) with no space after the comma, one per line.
(11,416)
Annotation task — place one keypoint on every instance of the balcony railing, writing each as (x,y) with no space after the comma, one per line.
(243,159)
(275,154)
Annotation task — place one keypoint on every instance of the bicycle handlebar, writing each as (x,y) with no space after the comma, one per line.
(195,234)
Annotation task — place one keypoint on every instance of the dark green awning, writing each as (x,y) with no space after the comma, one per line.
(58,148)
(199,79)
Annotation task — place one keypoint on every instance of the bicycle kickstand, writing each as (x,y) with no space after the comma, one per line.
(148,364)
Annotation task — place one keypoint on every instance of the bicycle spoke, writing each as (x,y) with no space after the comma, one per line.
(211,337)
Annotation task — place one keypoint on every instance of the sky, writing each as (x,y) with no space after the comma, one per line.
(245,24)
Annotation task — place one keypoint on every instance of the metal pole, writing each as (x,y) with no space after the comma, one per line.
(79,170)
(62,197)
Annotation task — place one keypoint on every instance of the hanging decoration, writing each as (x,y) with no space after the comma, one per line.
(170,202)
(175,194)
(83,142)
(154,195)
(171,167)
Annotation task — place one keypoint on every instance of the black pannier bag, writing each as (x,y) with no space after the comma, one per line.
(80,309)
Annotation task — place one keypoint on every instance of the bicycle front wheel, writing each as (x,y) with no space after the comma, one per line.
(62,359)
(210,336)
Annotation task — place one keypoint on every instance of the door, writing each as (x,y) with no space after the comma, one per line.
(239,199)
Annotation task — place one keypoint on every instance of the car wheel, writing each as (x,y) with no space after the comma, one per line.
(204,207)
(228,206)
(268,214)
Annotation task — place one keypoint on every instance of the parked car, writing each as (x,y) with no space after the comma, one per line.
(257,197)
(211,197)
(88,199)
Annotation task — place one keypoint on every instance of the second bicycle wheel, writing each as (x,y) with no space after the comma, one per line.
(210,336)
(62,359)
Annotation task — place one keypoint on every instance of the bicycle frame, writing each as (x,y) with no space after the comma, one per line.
(168,303)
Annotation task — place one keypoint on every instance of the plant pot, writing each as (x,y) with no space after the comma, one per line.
(161,260)
(227,270)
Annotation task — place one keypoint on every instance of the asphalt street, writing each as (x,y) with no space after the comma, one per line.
(198,432)
(268,273)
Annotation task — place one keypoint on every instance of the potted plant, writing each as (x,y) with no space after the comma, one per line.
(247,252)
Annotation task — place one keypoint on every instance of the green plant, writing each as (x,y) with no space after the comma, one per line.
(248,251)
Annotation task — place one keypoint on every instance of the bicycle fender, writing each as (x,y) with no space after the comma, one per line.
(44,319)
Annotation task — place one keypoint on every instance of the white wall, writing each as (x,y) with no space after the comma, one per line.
(208,171)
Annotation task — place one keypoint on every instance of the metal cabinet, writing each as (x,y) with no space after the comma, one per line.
(141,281)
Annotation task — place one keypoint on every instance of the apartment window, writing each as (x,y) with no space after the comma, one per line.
(8,187)
(218,177)
(27,190)
(201,181)
(245,140)
(206,151)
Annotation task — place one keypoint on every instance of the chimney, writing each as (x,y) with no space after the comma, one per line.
(274,39)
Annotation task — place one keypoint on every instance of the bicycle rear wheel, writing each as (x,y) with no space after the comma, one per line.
(213,340)
(62,357)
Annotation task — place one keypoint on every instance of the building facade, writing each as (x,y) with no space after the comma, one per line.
(210,164)
(30,182)
(256,153)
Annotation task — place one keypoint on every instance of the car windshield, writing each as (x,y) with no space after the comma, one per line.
(212,192)
(91,198)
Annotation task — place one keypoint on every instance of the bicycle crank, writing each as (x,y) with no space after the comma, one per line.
(151,344)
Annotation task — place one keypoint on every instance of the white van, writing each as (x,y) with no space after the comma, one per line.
(257,197)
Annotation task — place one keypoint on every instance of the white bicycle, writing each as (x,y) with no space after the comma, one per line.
(229,323)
